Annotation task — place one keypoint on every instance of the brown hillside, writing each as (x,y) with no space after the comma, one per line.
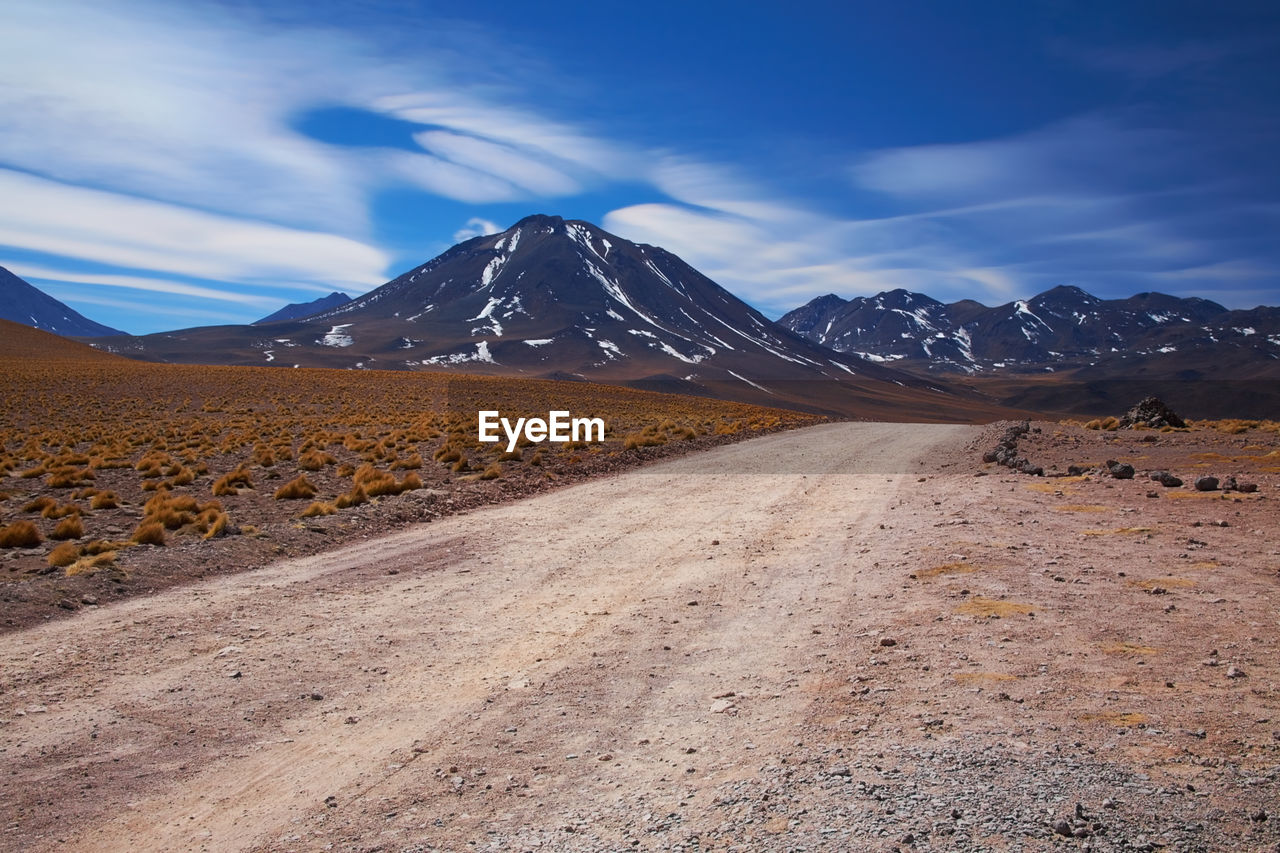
(19,341)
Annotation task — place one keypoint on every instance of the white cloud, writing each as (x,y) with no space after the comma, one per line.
(475,227)
(107,228)
(153,285)
(502,161)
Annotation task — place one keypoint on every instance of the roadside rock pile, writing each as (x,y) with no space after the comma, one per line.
(1006,451)
(1151,412)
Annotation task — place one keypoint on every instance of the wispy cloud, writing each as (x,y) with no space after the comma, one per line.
(476,227)
(182,120)
(44,216)
(45,275)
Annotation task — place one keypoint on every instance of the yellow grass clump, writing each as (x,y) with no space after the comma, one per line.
(64,555)
(149,533)
(20,534)
(318,508)
(70,527)
(299,488)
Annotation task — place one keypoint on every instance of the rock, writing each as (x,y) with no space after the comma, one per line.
(1258,816)
(1120,470)
(888,641)
(1166,479)
(1152,412)
(1247,488)
(1235,672)
(721,706)
(1206,484)
(1064,829)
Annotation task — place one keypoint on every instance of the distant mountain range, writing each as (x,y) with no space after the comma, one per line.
(24,303)
(563,299)
(300,310)
(1061,330)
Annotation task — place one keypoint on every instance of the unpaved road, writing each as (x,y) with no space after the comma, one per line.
(689,654)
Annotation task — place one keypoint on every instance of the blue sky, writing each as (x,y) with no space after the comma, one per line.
(169,165)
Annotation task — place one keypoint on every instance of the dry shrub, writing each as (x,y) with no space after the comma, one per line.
(55,512)
(232,482)
(105,500)
(493,472)
(460,466)
(414,461)
(31,473)
(20,534)
(410,482)
(89,564)
(447,454)
(70,527)
(263,456)
(102,546)
(536,459)
(637,440)
(318,508)
(314,460)
(299,488)
(184,477)
(346,469)
(148,533)
(40,504)
(69,478)
(216,526)
(355,497)
(511,456)
(64,555)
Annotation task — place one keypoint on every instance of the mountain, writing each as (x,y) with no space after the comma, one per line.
(1061,329)
(23,303)
(551,298)
(299,310)
(1066,350)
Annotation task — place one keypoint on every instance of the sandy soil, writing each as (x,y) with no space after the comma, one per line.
(834,638)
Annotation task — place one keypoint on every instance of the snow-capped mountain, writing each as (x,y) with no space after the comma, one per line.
(23,303)
(555,298)
(301,310)
(1062,328)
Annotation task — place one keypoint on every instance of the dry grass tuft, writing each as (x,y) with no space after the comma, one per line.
(299,488)
(39,505)
(20,534)
(70,527)
(232,482)
(946,569)
(318,508)
(148,533)
(91,563)
(64,555)
(355,497)
(105,500)
(990,607)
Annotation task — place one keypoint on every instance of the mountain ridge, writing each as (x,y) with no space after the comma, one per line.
(24,303)
(1063,328)
(550,297)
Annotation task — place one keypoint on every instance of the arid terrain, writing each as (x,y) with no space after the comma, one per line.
(119,477)
(851,636)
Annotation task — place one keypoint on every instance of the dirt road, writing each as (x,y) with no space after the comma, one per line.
(721,650)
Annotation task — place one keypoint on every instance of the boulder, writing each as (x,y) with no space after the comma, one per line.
(1206,484)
